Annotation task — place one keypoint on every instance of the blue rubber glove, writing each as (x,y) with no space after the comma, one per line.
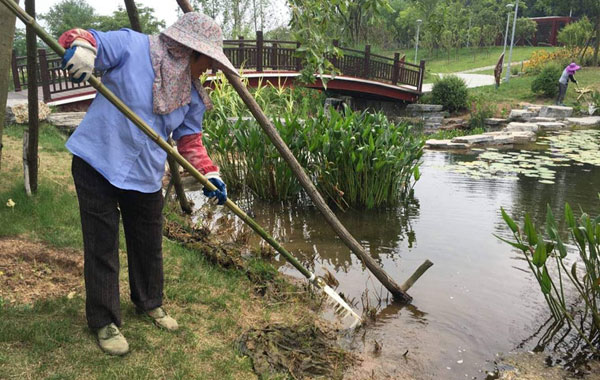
(79,61)
(221,193)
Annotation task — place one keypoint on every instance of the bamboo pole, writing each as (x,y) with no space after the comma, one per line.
(396,290)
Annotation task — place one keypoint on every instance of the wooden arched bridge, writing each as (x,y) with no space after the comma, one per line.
(362,73)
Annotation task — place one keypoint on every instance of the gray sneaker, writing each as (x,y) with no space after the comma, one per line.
(162,319)
(112,341)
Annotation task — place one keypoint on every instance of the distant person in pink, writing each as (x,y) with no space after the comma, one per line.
(567,75)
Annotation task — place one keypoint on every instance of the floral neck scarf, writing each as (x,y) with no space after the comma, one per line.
(171,87)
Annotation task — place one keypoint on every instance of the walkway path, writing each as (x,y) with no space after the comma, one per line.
(472,80)
(492,67)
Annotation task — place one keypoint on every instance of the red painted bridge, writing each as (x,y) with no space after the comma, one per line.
(361,73)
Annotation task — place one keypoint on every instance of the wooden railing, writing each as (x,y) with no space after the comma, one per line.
(264,55)
(53,79)
(259,55)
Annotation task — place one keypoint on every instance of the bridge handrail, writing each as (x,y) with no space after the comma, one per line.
(258,54)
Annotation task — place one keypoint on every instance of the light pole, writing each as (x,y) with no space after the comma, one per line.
(419,21)
(512,41)
(510,7)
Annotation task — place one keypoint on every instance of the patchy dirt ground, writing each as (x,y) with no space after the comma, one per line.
(32,271)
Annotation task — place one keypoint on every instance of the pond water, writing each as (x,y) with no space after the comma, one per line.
(479,298)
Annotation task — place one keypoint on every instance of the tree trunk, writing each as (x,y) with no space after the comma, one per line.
(32,101)
(597,44)
(132,13)
(7,32)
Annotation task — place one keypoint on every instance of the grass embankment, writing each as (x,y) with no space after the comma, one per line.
(518,90)
(466,58)
(49,338)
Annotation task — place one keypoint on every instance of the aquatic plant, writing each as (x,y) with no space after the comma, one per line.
(549,261)
(567,148)
(361,159)
(481,109)
(357,159)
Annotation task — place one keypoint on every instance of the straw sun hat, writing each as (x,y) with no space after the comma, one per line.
(202,34)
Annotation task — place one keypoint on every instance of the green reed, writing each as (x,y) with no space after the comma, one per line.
(547,259)
(356,159)
(363,160)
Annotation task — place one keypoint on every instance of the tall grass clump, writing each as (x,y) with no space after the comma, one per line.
(362,160)
(557,269)
(355,159)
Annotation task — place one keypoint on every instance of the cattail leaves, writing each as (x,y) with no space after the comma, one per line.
(585,231)
(355,158)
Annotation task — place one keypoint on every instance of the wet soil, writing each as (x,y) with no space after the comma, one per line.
(304,351)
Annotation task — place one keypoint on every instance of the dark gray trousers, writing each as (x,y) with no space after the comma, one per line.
(562,91)
(100,204)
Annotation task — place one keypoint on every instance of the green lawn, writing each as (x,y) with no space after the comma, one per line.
(467,58)
(518,89)
(49,338)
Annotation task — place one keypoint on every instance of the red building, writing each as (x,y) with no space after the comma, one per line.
(548,28)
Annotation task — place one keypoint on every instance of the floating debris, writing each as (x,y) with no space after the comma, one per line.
(303,352)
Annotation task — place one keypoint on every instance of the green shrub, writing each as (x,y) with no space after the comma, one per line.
(451,92)
(546,82)
(514,70)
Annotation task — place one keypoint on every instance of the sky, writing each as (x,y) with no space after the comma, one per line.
(164,9)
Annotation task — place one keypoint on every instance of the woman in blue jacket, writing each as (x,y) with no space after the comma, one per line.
(117,169)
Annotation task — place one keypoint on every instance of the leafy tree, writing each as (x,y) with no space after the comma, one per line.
(19,43)
(488,36)
(475,37)
(580,8)
(525,29)
(576,34)
(69,14)
(311,26)
(119,19)
(447,41)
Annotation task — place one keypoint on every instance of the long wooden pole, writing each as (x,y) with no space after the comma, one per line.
(33,106)
(396,290)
